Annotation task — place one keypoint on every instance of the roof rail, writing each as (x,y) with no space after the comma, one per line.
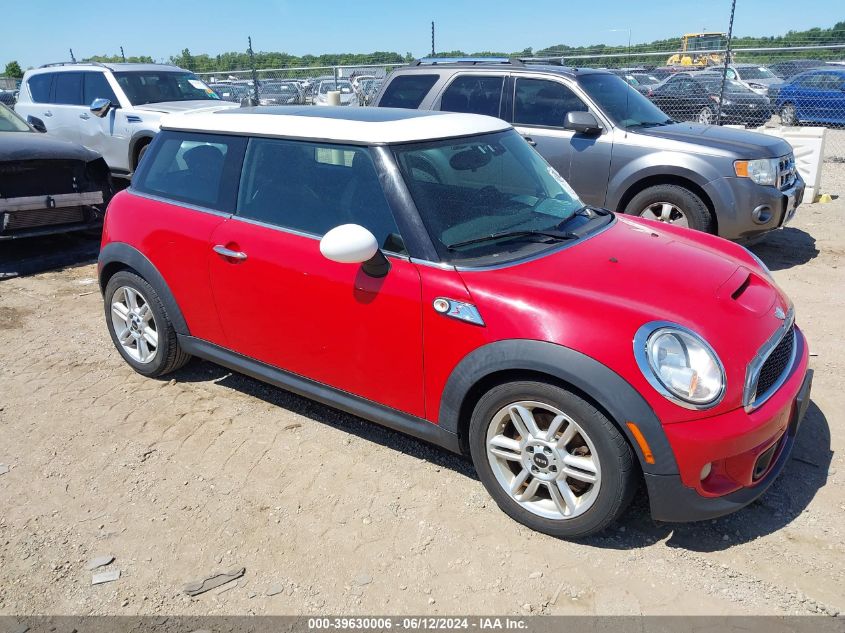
(433,61)
(73,64)
(551,61)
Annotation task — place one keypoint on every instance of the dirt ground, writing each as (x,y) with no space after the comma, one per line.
(210,471)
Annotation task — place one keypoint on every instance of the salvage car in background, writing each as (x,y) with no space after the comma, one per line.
(280,93)
(615,147)
(815,96)
(328,85)
(695,97)
(47,185)
(113,109)
(753,76)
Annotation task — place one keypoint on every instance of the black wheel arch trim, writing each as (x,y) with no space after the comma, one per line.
(348,402)
(612,392)
(130,257)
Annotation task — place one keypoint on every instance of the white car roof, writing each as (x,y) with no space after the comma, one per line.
(367,126)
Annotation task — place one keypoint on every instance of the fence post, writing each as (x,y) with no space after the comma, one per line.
(725,67)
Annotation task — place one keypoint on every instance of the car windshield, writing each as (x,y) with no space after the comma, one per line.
(489,197)
(155,86)
(277,88)
(11,122)
(625,105)
(755,72)
(647,79)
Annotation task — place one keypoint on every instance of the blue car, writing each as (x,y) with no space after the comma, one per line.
(814,96)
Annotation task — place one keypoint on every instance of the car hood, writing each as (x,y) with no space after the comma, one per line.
(719,140)
(593,295)
(172,107)
(16,146)
(764,82)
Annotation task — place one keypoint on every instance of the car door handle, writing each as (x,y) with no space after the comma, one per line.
(529,140)
(228,252)
(48,113)
(85,115)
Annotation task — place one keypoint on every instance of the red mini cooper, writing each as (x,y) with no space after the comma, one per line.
(432,273)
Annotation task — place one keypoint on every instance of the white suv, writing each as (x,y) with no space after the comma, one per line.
(113,109)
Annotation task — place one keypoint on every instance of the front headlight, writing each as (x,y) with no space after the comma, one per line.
(680,365)
(763,171)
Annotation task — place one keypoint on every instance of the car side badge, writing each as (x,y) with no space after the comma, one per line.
(458,310)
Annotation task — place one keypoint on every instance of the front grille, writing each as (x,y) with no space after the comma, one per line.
(787,172)
(776,363)
(15,220)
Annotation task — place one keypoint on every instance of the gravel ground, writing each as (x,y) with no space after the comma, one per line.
(212,471)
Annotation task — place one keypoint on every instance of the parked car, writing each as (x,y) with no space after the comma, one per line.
(753,76)
(427,250)
(695,97)
(280,93)
(815,96)
(113,109)
(647,80)
(343,86)
(630,79)
(789,68)
(616,148)
(47,185)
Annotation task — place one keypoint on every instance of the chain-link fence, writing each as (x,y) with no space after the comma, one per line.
(310,85)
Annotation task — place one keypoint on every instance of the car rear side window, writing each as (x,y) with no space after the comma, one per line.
(96,86)
(476,94)
(199,169)
(39,87)
(544,103)
(407,91)
(68,89)
(313,188)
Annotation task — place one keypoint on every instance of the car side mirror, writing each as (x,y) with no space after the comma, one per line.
(353,244)
(100,107)
(582,123)
(37,124)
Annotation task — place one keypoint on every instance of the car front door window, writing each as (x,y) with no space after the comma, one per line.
(544,103)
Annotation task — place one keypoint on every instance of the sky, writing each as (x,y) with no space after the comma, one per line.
(45,29)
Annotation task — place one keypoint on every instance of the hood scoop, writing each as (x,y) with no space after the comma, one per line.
(748,290)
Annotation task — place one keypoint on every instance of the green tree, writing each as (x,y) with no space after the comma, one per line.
(13,69)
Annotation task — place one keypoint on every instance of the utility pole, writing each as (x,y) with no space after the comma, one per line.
(432,38)
(254,72)
(122,54)
(727,61)
(72,58)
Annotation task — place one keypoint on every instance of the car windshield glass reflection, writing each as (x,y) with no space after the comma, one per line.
(489,196)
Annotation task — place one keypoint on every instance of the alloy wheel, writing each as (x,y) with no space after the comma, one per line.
(665,212)
(705,116)
(134,324)
(543,459)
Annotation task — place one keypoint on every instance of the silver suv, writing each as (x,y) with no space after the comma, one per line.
(113,109)
(616,148)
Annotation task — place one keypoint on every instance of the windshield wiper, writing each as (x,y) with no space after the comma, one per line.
(549,234)
(652,123)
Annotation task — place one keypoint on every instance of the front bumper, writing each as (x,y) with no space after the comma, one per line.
(745,210)
(33,216)
(737,444)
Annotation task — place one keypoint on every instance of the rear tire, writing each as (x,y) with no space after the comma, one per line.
(140,327)
(550,459)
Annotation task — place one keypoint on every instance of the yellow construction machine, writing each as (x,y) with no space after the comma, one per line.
(694,47)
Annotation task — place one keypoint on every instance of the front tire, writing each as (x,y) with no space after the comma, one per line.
(789,115)
(672,204)
(140,327)
(706,116)
(550,459)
